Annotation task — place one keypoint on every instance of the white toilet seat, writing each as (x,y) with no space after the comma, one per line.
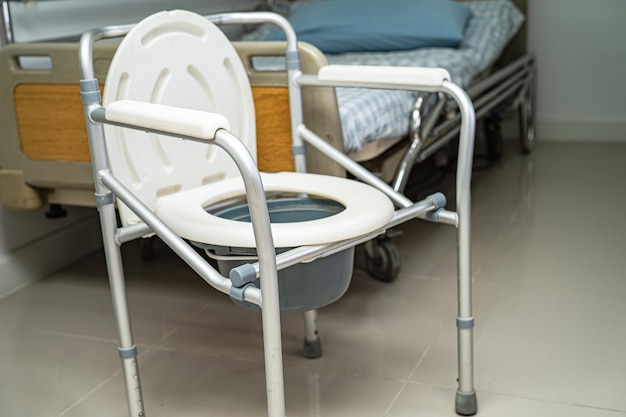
(366,209)
(178,179)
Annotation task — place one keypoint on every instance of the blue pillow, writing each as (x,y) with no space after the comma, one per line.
(336,26)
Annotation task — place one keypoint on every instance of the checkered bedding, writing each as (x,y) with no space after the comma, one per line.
(368,115)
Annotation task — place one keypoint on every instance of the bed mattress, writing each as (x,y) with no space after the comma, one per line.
(367,114)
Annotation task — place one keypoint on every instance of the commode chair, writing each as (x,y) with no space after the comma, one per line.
(173,147)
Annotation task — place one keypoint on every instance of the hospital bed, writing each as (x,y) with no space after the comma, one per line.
(47,163)
(490,62)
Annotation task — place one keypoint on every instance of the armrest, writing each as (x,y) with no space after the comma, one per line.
(426,77)
(167,119)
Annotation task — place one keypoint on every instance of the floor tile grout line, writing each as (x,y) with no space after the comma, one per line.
(148,349)
(418,363)
(521,397)
(145,352)
(206,354)
(547,401)
(156,346)
(60,334)
(504,394)
(89,393)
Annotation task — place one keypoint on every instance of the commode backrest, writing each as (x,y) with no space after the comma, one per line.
(176,58)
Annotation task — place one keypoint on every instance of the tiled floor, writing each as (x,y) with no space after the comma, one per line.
(549,262)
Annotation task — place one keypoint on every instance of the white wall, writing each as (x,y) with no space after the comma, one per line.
(581,61)
(32,246)
(36,20)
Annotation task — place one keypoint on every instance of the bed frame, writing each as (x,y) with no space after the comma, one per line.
(44,155)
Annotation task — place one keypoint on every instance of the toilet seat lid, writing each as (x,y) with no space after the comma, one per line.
(176,58)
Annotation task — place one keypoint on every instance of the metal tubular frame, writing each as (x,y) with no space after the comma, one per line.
(466,403)
(431,208)
(6,27)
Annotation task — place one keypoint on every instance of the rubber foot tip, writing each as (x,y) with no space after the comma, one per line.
(466,404)
(312,349)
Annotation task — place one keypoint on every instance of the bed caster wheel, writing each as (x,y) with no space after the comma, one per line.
(56,211)
(312,349)
(383,259)
(526,126)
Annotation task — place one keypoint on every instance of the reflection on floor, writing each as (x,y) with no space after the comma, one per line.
(549,255)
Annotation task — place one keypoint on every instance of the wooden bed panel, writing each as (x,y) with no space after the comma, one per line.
(273,128)
(42,113)
(52,128)
(50,122)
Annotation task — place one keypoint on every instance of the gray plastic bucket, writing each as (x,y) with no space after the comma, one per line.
(303,286)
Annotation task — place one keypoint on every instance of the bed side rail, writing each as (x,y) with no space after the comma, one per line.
(504,87)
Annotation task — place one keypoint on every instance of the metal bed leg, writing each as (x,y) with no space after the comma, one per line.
(526,112)
(312,344)
(127,349)
(406,165)
(421,126)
